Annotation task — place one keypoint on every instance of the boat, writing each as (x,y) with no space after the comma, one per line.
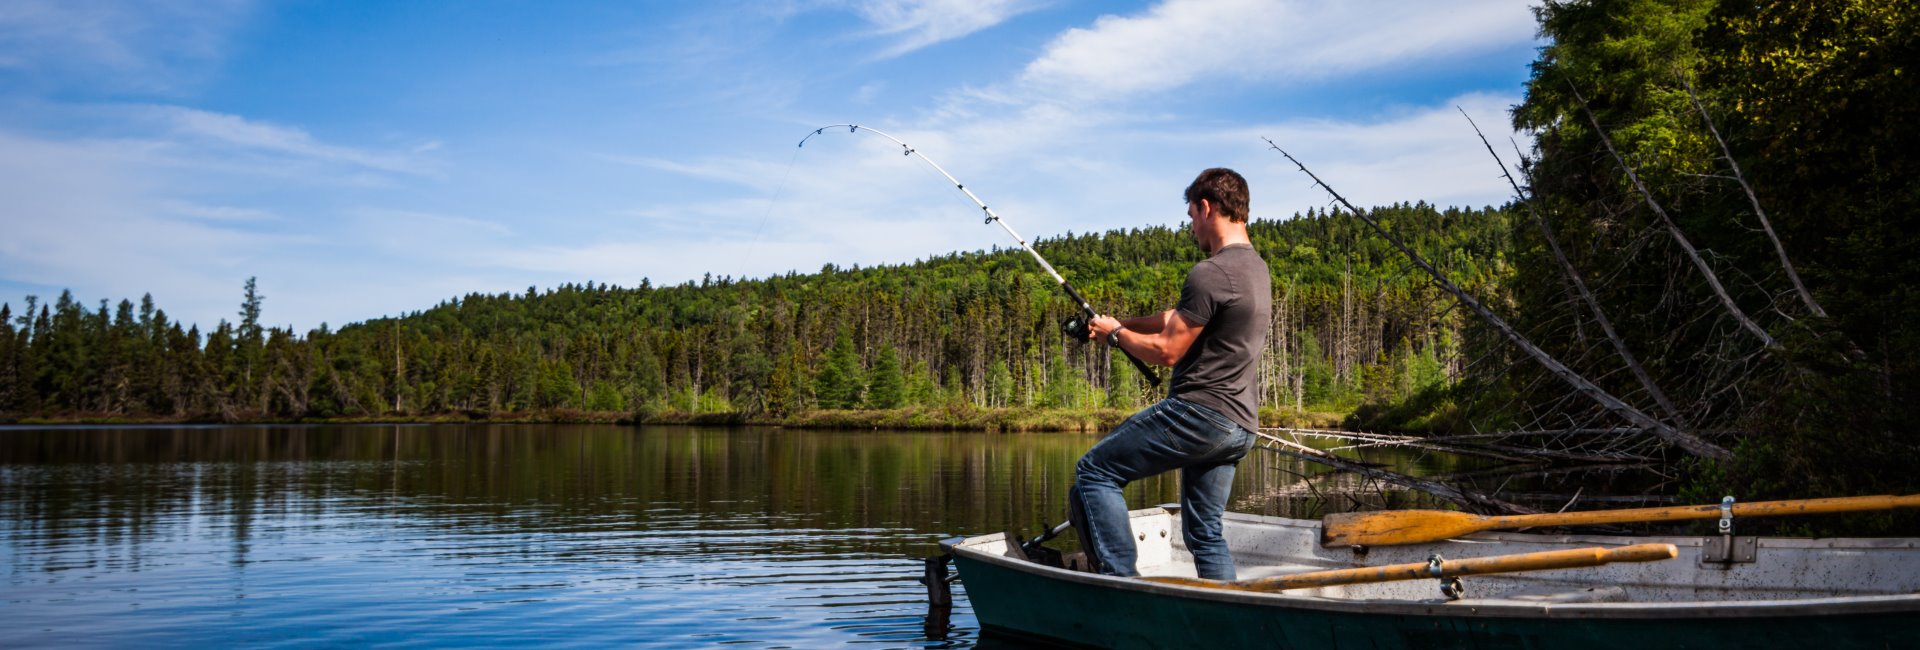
(1718,592)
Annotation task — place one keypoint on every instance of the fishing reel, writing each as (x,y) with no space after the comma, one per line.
(1075,328)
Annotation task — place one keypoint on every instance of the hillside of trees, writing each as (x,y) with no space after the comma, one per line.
(974,330)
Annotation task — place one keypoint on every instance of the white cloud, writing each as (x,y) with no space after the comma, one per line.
(188,203)
(914,24)
(854,199)
(90,217)
(188,207)
(1430,154)
(206,127)
(1181,43)
(215,213)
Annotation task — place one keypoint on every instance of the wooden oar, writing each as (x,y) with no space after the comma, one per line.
(1389,527)
(1542,561)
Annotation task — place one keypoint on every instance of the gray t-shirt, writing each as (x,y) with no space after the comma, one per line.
(1231,296)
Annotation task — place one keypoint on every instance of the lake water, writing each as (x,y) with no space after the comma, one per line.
(493,535)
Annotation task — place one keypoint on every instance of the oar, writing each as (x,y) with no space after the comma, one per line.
(1542,561)
(1389,527)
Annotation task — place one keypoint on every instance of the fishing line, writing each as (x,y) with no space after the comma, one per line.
(771,201)
(1072,326)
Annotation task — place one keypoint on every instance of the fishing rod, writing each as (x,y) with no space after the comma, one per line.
(1073,327)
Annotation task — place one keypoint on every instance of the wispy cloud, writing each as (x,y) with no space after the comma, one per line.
(914,24)
(220,129)
(852,198)
(343,220)
(142,46)
(89,216)
(1181,43)
(215,213)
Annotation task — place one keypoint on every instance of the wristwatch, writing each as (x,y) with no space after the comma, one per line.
(1113,337)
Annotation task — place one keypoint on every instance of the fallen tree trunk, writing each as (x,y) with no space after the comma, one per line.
(1470,500)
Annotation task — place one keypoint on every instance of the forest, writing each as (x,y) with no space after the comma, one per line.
(1717,232)
(947,335)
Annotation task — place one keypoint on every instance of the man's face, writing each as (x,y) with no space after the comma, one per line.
(1202,223)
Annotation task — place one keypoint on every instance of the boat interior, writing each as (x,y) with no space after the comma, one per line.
(1707,570)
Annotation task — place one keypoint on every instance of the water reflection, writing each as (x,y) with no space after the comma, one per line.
(498,535)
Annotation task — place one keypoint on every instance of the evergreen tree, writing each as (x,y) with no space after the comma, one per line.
(977,326)
(9,361)
(782,394)
(249,343)
(887,386)
(838,385)
(921,389)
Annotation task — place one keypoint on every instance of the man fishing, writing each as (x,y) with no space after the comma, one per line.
(1213,339)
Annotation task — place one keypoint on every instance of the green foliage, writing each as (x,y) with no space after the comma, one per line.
(839,384)
(999,384)
(886,387)
(1817,104)
(605,396)
(921,389)
(967,332)
(1125,386)
(1063,388)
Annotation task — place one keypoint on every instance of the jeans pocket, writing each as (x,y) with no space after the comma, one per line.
(1204,430)
(1218,420)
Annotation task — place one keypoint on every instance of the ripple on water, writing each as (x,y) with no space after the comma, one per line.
(347,572)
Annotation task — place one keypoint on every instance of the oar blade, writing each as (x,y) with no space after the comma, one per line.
(1389,527)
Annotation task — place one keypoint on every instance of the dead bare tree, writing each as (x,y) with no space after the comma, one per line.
(1465,498)
(1699,262)
(1760,213)
(1690,443)
(1580,285)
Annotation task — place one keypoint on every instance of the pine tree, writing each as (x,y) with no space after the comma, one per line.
(887,386)
(249,344)
(921,389)
(838,385)
(9,361)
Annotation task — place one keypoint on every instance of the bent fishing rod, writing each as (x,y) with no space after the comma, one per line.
(1073,327)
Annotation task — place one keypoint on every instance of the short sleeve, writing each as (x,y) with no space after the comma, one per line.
(1202,294)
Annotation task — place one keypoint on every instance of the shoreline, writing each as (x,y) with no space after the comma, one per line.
(983,420)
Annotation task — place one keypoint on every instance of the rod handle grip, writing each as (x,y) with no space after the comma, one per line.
(1153,378)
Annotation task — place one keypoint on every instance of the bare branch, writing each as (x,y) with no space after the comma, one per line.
(1470,500)
(1573,275)
(1692,444)
(1766,224)
(1674,228)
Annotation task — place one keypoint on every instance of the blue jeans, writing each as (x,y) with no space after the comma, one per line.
(1203,444)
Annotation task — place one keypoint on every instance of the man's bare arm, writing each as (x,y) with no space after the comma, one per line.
(1149,324)
(1159,339)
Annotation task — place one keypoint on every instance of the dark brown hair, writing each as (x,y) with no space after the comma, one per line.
(1225,189)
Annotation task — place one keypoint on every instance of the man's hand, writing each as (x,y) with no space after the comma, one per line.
(1100,327)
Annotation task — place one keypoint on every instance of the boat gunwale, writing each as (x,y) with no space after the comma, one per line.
(1485,607)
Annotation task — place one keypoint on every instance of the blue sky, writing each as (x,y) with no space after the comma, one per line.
(365,159)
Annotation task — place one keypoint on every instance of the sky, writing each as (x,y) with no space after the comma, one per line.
(369,159)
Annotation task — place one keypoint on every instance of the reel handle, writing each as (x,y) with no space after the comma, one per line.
(1076,328)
